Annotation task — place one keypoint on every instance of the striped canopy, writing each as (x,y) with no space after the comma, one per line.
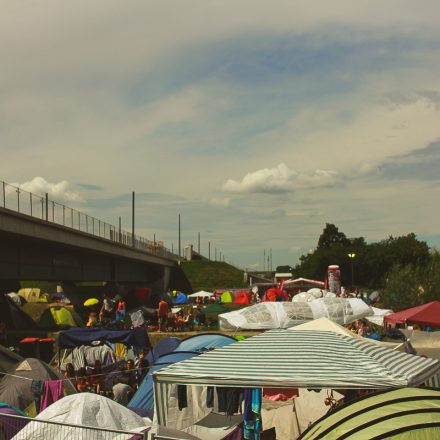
(302,359)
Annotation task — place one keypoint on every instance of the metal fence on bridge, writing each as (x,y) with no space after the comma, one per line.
(24,202)
(18,427)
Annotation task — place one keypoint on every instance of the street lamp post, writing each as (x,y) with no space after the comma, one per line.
(351,255)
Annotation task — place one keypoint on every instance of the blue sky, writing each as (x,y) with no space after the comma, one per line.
(258,122)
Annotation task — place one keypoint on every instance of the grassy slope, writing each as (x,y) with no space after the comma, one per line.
(209,275)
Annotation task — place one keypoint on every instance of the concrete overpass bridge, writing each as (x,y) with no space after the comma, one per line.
(44,240)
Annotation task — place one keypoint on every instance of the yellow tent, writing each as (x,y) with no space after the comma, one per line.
(32,294)
(226,297)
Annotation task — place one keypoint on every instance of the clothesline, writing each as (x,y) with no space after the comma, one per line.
(82,377)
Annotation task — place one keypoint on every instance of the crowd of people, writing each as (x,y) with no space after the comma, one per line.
(119,384)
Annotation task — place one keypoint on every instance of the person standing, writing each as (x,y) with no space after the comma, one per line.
(162,314)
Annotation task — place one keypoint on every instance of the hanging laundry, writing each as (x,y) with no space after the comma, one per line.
(182,398)
(37,389)
(53,390)
(252,426)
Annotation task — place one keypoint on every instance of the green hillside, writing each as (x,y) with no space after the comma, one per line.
(209,275)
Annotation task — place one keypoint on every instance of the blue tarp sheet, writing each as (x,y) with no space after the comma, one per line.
(76,337)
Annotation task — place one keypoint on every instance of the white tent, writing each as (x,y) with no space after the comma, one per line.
(84,409)
(201,294)
(378,315)
(271,315)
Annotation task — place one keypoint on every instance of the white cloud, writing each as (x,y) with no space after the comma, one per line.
(61,190)
(222,202)
(280,179)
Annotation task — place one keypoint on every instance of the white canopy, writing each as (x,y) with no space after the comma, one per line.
(296,359)
(271,315)
(201,294)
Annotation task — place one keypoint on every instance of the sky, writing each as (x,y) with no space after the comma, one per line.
(258,122)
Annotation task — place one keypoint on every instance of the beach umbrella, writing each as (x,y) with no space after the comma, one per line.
(91,302)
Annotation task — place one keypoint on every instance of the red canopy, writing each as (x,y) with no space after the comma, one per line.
(427,314)
(242,298)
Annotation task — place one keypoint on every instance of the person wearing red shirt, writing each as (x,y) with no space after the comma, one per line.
(162,314)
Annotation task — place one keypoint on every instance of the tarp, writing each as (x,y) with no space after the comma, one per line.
(270,315)
(226,297)
(83,336)
(16,390)
(144,396)
(426,314)
(378,316)
(180,299)
(425,343)
(84,409)
(201,294)
(204,341)
(297,359)
(407,413)
(8,359)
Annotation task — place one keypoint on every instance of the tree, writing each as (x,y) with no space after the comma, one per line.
(331,236)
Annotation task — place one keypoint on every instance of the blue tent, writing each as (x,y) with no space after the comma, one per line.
(180,299)
(143,400)
(164,346)
(204,342)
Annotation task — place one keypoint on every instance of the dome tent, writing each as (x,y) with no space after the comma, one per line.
(84,409)
(16,390)
(59,317)
(8,359)
(407,413)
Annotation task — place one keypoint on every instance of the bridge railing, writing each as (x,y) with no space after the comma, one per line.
(25,202)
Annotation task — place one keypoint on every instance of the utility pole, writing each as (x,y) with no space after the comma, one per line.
(264,260)
(132,217)
(120,229)
(209,250)
(215,254)
(271,259)
(198,244)
(180,243)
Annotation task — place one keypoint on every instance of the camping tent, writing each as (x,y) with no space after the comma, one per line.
(425,343)
(408,413)
(180,299)
(164,346)
(226,297)
(143,400)
(426,314)
(270,315)
(84,409)
(59,317)
(16,390)
(214,309)
(296,359)
(32,294)
(204,341)
(201,294)
(8,359)
(242,298)
(12,315)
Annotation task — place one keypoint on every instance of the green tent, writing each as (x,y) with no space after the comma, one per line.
(214,309)
(404,414)
(226,297)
